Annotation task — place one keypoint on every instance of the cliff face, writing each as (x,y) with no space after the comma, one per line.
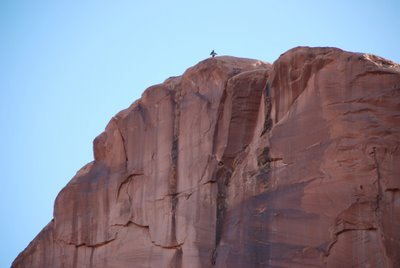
(239,163)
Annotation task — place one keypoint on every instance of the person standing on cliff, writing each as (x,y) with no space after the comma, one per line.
(213,53)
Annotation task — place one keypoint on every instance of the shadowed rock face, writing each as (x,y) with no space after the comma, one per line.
(239,163)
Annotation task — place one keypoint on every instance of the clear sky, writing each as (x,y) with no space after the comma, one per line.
(66,67)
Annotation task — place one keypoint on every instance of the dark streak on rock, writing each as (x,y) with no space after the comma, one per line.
(264,157)
(223,176)
(267,102)
(173,178)
(378,213)
(378,180)
(174,150)
(123,143)
(177,260)
(91,258)
(75,260)
(219,118)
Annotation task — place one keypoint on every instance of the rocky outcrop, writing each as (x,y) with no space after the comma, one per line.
(239,163)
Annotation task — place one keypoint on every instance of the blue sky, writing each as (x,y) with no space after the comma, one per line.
(66,67)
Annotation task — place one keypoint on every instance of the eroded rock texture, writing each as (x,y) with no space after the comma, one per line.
(239,163)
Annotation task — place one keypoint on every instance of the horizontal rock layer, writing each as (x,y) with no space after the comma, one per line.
(239,163)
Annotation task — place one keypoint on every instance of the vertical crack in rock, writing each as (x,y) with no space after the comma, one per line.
(378,205)
(223,176)
(264,161)
(378,181)
(91,258)
(75,258)
(123,143)
(264,158)
(173,178)
(177,260)
(267,102)
(220,115)
(221,188)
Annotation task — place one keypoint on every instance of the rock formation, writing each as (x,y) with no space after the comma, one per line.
(240,163)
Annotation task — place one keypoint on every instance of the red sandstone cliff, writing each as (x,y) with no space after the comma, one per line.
(239,163)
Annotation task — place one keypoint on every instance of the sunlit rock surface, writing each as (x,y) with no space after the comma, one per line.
(240,163)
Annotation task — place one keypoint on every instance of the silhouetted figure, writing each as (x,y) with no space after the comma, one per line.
(213,53)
